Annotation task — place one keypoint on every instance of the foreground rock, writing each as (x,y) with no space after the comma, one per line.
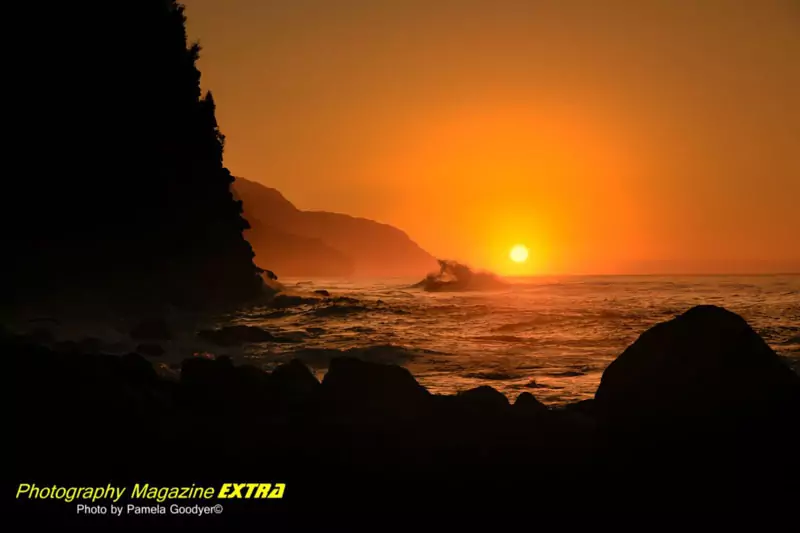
(294,386)
(355,386)
(706,363)
(699,401)
(526,404)
(370,432)
(484,399)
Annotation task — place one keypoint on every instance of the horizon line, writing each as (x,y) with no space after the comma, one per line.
(571,275)
(657,274)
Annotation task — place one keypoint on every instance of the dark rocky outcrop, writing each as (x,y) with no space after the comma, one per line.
(484,398)
(526,404)
(294,386)
(217,386)
(355,386)
(147,218)
(137,370)
(370,431)
(204,372)
(583,407)
(700,397)
(294,378)
(706,362)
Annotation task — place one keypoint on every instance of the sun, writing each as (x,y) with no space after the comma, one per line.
(519,253)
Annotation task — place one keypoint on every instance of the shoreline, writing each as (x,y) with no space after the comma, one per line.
(279,332)
(369,432)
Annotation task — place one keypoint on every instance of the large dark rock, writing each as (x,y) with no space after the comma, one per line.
(136,369)
(583,407)
(707,362)
(527,405)
(294,379)
(483,398)
(211,385)
(355,386)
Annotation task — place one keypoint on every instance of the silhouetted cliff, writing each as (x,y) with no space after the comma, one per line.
(125,194)
(305,243)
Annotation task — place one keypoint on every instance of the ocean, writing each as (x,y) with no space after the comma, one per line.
(552,337)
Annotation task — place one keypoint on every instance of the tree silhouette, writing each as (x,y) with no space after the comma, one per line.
(126,195)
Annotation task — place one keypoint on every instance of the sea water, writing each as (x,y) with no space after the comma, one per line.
(552,337)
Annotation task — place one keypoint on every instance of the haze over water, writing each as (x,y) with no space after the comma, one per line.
(552,337)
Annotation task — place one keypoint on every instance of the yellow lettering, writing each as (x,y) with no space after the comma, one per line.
(263,490)
(248,490)
(140,492)
(277,492)
(20,491)
(231,490)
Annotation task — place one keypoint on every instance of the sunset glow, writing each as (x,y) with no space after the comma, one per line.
(401,253)
(523,135)
(519,253)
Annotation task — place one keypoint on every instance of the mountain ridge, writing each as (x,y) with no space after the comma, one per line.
(296,242)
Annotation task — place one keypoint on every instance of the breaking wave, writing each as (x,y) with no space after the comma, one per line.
(455,276)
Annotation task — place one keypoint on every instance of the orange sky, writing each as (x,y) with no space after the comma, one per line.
(609,137)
